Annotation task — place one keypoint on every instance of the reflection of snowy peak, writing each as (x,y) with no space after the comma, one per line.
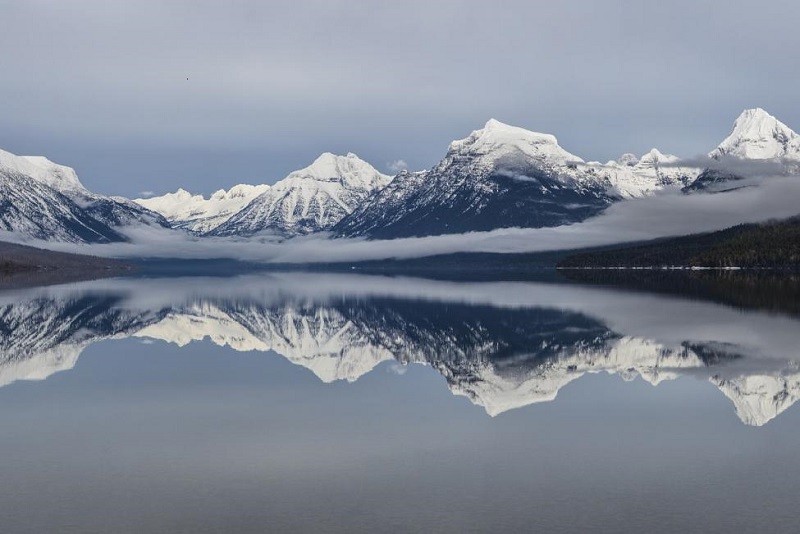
(45,335)
(200,321)
(502,388)
(319,339)
(501,358)
(760,398)
(39,366)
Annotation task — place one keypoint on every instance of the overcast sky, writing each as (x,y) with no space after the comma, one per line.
(102,86)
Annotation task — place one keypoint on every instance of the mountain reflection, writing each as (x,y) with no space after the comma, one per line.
(501,345)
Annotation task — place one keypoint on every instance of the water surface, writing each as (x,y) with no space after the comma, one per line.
(311,402)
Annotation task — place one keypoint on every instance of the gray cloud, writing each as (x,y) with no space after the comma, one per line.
(103,86)
(397,166)
(746,168)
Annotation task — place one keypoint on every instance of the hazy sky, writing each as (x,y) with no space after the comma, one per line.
(102,86)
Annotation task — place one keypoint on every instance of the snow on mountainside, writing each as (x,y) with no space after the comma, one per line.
(499,176)
(308,200)
(44,200)
(503,176)
(758,135)
(199,214)
(653,171)
(59,177)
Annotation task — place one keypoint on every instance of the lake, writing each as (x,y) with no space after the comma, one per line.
(312,402)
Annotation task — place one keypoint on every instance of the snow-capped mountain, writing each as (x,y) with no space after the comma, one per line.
(44,200)
(309,200)
(757,137)
(653,171)
(199,214)
(503,176)
(41,169)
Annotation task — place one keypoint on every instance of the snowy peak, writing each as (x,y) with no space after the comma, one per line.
(308,200)
(654,158)
(502,176)
(628,160)
(758,135)
(350,170)
(239,191)
(497,140)
(59,177)
(45,200)
(198,214)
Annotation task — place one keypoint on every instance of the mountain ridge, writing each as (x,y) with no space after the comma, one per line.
(499,176)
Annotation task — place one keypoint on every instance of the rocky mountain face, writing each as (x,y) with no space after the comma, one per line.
(312,199)
(43,200)
(502,176)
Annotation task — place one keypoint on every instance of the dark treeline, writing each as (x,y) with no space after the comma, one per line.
(772,245)
(766,290)
(22,266)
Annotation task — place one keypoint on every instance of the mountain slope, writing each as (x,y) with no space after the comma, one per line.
(198,214)
(309,200)
(499,176)
(758,135)
(36,210)
(757,138)
(44,200)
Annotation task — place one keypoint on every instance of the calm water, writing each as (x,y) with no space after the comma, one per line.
(336,403)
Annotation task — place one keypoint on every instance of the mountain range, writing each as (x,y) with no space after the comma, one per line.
(499,176)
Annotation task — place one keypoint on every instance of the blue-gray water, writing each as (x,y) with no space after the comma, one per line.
(334,403)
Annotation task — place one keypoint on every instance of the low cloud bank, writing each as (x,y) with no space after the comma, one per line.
(745,168)
(667,214)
